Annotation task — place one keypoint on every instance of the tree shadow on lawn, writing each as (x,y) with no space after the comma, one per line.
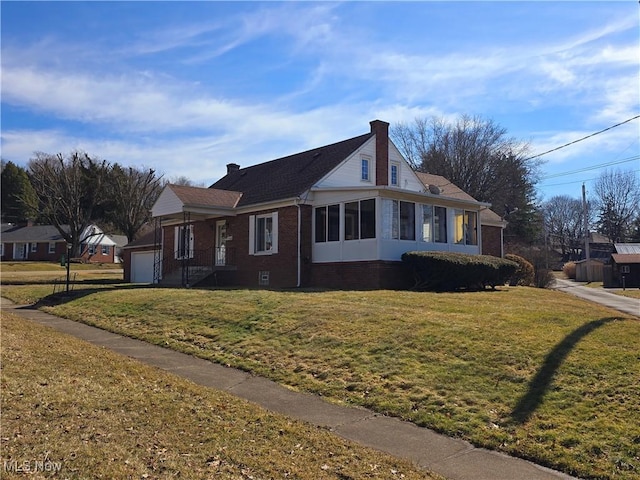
(540,383)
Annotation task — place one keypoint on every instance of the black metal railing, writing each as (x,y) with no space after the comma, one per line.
(196,263)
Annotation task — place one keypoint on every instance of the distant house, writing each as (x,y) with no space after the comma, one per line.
(625,265)
(45,243)
(337,216)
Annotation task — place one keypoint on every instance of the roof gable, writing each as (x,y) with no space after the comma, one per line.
(288,177)
(175,199)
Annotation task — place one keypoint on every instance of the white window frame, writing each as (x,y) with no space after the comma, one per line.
(253,223)
(178,253)
(394,171)
(33,247)
(434,228)
(105,249)
(91,249)
(52,247)
(365,169)
(625,269)
(462,227)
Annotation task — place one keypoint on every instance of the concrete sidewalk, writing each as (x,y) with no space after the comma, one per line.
(452,458)
(627,305)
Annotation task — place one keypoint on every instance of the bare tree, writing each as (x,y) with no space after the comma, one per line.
(618,199)
(69,191)
(563,220)
(477,155)
(132,193)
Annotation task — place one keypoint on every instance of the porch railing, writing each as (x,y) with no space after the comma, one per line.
(197,262)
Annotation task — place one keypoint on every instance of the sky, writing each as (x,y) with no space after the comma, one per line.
(188,87)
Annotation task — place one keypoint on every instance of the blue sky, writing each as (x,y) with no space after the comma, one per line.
(187,87)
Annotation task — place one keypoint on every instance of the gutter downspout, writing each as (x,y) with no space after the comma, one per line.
(299,243)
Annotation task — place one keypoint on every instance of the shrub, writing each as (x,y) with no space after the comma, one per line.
(451,271)
(569,269)
(524,274)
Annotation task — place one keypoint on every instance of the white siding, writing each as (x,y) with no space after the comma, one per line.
(168,203)
(407,179)
(347,174)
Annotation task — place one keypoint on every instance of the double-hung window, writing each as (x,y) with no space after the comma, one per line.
(360,219)
(52,247)
(327,223)
(91,249)
(263,234)
(364,169)
(395,175)
(105,250)
(34,247)
(183,242)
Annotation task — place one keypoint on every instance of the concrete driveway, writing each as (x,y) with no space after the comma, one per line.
(627,305)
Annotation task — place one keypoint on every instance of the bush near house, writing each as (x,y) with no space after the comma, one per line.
(453,271)
(525,274)
(569,269)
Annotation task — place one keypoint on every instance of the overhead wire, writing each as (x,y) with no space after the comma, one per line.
(583,138)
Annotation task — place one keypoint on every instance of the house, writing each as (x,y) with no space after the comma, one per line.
(337,216)
(625,265)
(46,243)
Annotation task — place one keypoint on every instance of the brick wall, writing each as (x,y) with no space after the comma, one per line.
(491,241)
(361,275)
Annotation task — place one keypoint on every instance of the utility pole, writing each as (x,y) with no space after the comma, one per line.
(586,230)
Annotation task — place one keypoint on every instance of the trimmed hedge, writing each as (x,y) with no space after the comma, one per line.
(452,271)
(525,274)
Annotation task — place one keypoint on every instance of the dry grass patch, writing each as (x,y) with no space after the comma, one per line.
(96,414)
(535,373)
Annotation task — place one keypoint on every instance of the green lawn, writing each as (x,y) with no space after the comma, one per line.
(94,414)
(534,373)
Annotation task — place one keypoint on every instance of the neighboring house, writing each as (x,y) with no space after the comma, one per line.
(336,216)
(120,241)
(45,243)
(625,263)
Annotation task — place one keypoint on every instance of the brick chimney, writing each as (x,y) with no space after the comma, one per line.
(381,130)
(232,167)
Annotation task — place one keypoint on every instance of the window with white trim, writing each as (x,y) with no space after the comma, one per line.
(263,234)
(91,249)
(466,227)
(364,169)
(360,219)
(105,249)
(399,220)
(327,223)
(434,224)
(183,241)
(34,247)
(52,247)
(394,177)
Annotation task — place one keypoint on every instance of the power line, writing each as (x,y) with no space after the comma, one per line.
(593,167)
(583,138)
(576,181)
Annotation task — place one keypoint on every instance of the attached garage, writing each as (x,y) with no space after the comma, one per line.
(142,267)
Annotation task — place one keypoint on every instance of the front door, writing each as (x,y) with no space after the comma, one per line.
(21,251)
(221,243)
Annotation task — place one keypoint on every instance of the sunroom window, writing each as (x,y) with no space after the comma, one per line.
(360,219)
(434,224)
(399,219)
(466,228)
(327,223)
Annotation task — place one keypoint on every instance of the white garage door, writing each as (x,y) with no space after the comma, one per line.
(142,267)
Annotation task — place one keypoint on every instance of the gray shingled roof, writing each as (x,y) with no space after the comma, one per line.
(34,233)
(288,177)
